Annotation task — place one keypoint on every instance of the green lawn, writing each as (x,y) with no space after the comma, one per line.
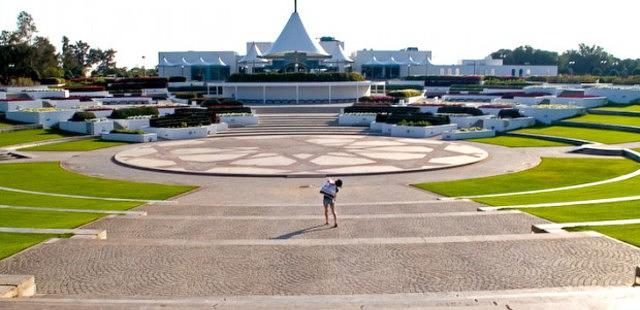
(43,201)
(4,123)
(627,233)
(518,142)
(596,135)
(629,108)
(26,136)
(45,219)
(551,173)
(14,243)
(74,146)
(50,177)
(608,119)
(589,213)
(612,190)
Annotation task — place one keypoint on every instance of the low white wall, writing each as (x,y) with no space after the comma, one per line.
(410,100)
(70,104)
(420,132)
(238,120)
(133,138)
(6,106)
(470,97)
(50,93)
(87,128)
(46,119)
(292,92)
(3,95)
(508,124)
(588,103)
(356,120)
(125,100)
(132,124)
(155,91)
(102,113)
(623,95)
(463,135)
(92,94)
(166,111)
(469,121)
(549,115)
(528,100)
(493,111)
(547,89)
(180,133)
(219,127)
(436,89)
(428,109)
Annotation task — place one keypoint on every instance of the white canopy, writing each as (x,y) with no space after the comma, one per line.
(185,62)
(374,62)
(392,61)
(166,63)
(295,39)
(338,56)
(253,56)
(413,62)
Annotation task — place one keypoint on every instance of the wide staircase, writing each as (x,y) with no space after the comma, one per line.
(297,120)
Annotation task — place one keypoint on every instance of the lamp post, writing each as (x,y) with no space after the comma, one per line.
(571,63)
(144,72)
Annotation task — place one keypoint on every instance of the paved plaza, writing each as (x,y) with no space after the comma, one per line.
(255,242)
(301,155)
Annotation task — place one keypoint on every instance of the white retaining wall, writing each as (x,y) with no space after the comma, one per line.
(420,132)
(463,135)
(549,115)
(70,104)
(133,138)
(616,94)
(92,94)
(508,124)
(6,106)
(132,124)
(528,100)
(180,133)
(87,128)
(237,120)
(467,121)
(588,103)
(51,93)
(46,119)
(102,113)
(356,120)
(125,100)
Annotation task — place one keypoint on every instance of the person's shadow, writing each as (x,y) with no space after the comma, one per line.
(302,232)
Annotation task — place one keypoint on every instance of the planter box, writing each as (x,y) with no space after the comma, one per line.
(410,100)
(132,124)
(376,127)
(420,132)
(508,124)
(91,94)
(46,119)
(356,120)
(6,106)
(233,121)
(493,111)
(463,135)
(550,115)
(180,133)
(125,100)
(219,127)
(101,113)
(155,91)
(166,111)
(469,121)
(133,138)
(87,128)
(428,109)
(620,95)
(591,102)
(528,100)
(70,104)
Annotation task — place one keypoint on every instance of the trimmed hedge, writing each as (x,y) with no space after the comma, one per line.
(184,118)
(87,88)
(460,110)
(177,79)
(51,81)
(445,81)
(380,109)
(405,93)
(136,111)
(509,113)
(295,77)
(129,84)
(397,118)
(82,116)
(128,131)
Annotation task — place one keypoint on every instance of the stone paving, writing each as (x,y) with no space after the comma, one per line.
(250,239)
(300,155)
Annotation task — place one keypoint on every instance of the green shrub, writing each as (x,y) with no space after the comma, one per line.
(52,81)
(405,122)
(136,111)
(405,93)
(460,110)
(295,77)
(82,116)
(509,113)
(128,131)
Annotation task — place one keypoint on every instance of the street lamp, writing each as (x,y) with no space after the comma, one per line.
(144,72)
(571,63)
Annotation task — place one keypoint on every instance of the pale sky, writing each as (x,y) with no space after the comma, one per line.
(451,29)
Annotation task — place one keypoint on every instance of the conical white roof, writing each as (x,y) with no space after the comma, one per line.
(253,55)
(413,62)
(185,62)
(295,39)
(338,55)
(166,63)
(392,61)
(219,62)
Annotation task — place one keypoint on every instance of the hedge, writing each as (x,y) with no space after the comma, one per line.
(405,93)
(82,116)
(136,111)
(128,131)
(396,118)
(460,110)
(137,83)
(445,81)
(87,88)
(51,81)
(184,118)
(295,77)
(177,79)
(380,109)
(509,113)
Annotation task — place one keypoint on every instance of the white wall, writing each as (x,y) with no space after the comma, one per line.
(6,106)
(46,119)
(622,95)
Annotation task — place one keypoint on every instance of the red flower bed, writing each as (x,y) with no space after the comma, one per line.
(378,99)
(574,95)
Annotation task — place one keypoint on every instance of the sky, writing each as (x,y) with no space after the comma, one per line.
(451,29)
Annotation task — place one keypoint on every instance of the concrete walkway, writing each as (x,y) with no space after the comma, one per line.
(260,243)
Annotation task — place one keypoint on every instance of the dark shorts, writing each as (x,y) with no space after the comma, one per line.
(328,201)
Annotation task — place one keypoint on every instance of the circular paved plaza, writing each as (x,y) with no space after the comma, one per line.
(300,155)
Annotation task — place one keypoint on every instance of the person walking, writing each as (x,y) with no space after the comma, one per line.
(329,191)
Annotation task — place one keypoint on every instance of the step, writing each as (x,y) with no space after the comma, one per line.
(309,227)
(147,269)
(300,209)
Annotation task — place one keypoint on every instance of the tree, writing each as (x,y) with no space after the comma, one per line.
(526,55)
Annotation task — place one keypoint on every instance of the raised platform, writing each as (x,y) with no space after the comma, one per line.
(300,156)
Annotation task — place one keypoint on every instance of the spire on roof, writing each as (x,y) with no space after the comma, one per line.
(253,55)
(294,38)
